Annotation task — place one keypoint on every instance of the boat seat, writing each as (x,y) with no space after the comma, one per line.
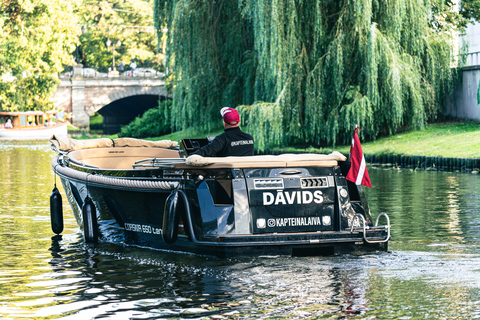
(123,158)
(262,161)
(65,144)
(118,158)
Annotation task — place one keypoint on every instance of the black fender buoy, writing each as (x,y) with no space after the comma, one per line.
(56,211)
(90,226)
(185,214)
(171,217)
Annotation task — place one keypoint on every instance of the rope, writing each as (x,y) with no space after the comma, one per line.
(128,183)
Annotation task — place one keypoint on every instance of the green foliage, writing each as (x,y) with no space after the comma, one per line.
(36,38)
(96,121)
(478,93)
(445,16)
(206,47)
(179,135)
(154,122)
(307,70)
(127,21)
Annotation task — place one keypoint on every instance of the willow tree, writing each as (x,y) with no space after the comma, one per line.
(308,71)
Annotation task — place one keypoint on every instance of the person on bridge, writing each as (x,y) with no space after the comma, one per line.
(133,66)
(121,67)
(233,142)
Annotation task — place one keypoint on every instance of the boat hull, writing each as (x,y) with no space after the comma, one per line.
(36,133)
(136,217)
(225,212)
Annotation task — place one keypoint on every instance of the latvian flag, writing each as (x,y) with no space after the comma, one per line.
(358,171)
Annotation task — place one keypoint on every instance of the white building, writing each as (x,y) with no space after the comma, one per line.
(472,40)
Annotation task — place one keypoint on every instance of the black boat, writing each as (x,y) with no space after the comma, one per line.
(290,204)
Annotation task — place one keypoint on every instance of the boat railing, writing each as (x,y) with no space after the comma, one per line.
(67,160)
(158,162)
(60,168)
(365,227)
(57,151)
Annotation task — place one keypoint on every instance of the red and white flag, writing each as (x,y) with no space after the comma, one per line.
(358,171)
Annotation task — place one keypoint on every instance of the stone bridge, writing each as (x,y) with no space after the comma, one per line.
(118,99)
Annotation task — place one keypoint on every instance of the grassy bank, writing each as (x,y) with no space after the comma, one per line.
(451,139)
(179,135)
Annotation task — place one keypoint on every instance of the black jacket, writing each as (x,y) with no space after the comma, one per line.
(233,142)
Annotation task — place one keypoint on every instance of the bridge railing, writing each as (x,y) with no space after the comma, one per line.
(472,59)
(91,72)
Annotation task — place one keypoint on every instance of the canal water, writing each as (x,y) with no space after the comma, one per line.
(432,270)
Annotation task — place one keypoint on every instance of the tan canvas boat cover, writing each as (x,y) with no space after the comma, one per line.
(67,144)
(283,160)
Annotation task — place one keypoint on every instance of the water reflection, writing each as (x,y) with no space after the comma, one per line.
(439,209)
(431,270)
(130,282)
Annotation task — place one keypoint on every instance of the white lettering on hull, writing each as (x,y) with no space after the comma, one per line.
(294,197)
(143,228)
(294,222)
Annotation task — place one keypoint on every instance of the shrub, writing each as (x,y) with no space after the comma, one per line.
(154,122)
(96,122)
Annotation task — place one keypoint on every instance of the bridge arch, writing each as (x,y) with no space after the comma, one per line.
(122,111)
(82,97)
(111,96)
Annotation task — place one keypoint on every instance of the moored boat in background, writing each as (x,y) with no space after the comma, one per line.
(32,125)
(224,206)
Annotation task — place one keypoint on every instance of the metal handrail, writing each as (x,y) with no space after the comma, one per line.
(158,162)
(365,227)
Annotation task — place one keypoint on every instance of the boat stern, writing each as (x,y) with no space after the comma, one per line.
(298,210)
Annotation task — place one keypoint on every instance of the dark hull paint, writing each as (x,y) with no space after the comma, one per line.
(212,227)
